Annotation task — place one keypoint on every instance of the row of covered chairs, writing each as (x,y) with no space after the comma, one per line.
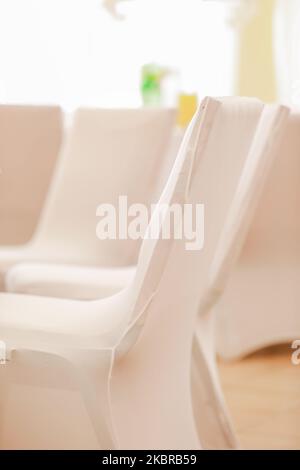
(141,317)
(136,163)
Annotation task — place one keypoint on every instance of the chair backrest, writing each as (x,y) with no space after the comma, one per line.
(239,119)
(151,383)
(108,153)
(30,139)
(275,229)
(273,124)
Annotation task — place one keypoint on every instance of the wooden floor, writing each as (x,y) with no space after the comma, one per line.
(263,395)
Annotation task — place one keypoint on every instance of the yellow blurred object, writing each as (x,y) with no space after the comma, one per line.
(187,105)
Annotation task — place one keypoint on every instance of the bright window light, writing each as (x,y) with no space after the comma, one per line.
(287,47)
(73,52)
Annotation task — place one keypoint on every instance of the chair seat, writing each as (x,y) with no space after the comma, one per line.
(67,281)
(39,319)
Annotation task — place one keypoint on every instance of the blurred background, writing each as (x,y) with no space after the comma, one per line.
(133,53)
(165,53)
(91,52)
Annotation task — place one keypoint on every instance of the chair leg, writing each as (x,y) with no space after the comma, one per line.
(93,370)
(212,419)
